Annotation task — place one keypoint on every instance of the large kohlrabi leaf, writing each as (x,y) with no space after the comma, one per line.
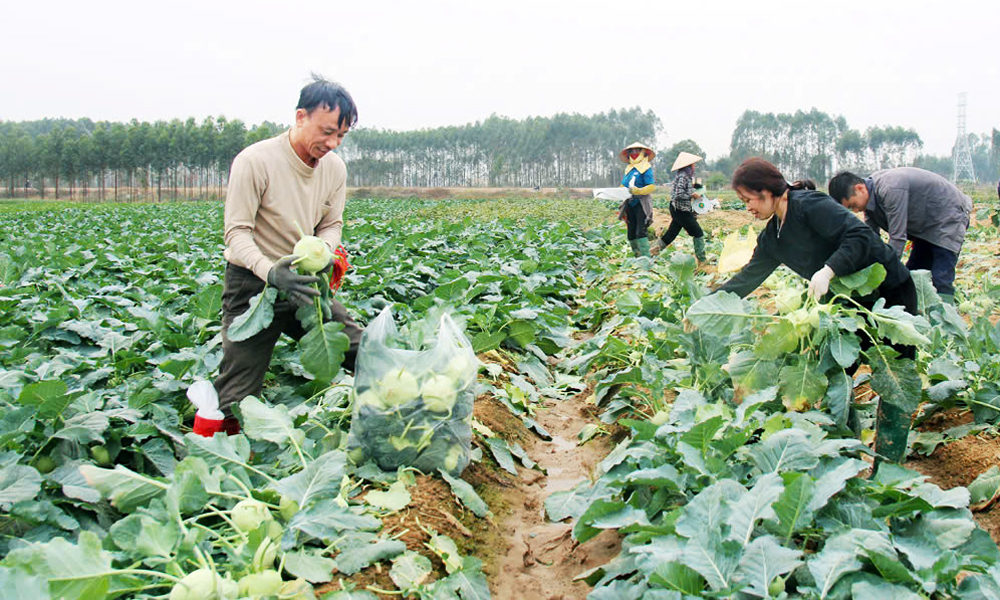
(257,317)
(73,570)
(786,450)
(320,479)
(763,560)
(573,502)
(899,326)
(354,558)
(721,314)
(18,483)
(753,506)
(861,282)
(322,350)
(714,560)
(466,494)
(271,423)
(708,510)
(126,489)
(895,380)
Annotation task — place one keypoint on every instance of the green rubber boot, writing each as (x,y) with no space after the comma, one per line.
(635,247)
(892,427)
(643,245)
(948,298)
(699,248)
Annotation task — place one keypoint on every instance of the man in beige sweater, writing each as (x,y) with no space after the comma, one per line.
(277,187)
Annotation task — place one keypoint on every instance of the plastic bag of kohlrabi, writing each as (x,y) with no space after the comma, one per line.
(413,399)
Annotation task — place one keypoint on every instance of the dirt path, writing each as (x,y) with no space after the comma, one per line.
(543,558)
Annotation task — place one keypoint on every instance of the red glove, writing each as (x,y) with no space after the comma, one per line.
(340,266)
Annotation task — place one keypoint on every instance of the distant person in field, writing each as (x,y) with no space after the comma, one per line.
(682,215)
(637,211)
(814,236)
(916,205)
(276,186)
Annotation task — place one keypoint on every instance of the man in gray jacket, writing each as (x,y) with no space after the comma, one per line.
(916,205)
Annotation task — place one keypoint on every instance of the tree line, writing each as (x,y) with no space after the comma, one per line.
(184,159)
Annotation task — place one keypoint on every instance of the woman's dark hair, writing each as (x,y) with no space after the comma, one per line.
(757,175)
(841,187)
(324,93)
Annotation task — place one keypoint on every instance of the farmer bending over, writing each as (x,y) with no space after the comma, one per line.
(816,237)
(276,186)
(914,204)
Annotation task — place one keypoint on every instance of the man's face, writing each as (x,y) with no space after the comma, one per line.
(319,132)
(858,200)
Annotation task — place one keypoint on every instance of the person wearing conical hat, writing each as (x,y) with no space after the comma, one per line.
(682,215)
(637,210)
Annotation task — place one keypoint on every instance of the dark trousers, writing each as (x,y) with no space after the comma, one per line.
(939,261)
(245,363)
(681,219)
(636,219)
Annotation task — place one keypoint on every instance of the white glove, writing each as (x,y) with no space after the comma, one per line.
(203,395)
(820,282)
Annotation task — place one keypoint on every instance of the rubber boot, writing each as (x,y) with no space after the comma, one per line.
(892,428)
(635,247)
(948,298)
(643,246)
(209,427)
(699,250)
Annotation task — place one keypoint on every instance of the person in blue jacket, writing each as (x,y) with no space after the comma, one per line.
(637,210)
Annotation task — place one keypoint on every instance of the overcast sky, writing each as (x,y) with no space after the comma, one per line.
(423,64)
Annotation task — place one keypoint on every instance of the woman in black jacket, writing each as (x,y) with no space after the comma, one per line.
(813,235)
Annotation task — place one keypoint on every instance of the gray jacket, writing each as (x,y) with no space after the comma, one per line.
(909,202)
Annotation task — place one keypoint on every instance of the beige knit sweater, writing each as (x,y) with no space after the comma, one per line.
(270,191)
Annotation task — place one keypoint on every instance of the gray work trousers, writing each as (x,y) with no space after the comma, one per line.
(245,363)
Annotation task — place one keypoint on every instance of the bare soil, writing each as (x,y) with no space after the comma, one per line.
(958,463)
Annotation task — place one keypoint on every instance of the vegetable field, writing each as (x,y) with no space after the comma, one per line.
(634,435)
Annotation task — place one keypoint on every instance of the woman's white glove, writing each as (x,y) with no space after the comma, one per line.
(820,282)
(202,394)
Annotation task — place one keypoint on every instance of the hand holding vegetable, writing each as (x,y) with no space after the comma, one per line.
(299,287)
(820,282)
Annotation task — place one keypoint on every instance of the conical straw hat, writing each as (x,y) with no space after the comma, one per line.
(685,159)
(623,155)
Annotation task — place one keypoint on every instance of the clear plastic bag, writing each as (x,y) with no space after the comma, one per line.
(413,407)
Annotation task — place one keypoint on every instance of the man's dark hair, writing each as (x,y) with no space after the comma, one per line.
(841,187)
(330,95)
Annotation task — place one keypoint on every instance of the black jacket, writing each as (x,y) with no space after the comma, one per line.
(817,231)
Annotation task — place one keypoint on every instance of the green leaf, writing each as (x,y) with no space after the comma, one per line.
(207,303)
(447,551)
(830,483)
(395,499)
(469,583)
(679,578)
(351,560)
(702,434)
(709,509)
(257,317)
(484,342)
(716,561)
(862,282)
(35,394)
(786,450)
(17,484)
(271,423)
(720,314)
(574,502)
(900,326)
(792,507)
(322,350)
(466,494)
(830,565)
(763,560)
(501,452)
(310,566)
(326,520)
(896,381)
(985,486)
(126,489)
(220,451)
(25,584)
(85,428)
(883,591)
(606,514)
(146,536)
(409,570)
(522,332)
(320,479)
(838,397)
(801,386)
(73,570)
(754,506)
(844,347)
